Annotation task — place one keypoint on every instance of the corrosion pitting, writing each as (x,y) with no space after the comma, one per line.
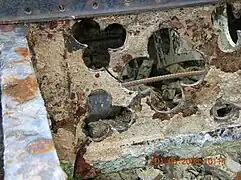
(22,89)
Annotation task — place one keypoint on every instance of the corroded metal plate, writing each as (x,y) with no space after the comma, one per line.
(43,10)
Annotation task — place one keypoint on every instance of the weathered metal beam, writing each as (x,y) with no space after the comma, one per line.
(29,151)
(45,10)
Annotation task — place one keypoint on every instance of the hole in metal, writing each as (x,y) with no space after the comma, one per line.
(163,48)
(227,24)
(27,10)
(223,111)
(164,59)
(95,5)
(234,23)
(103,117)
(61,7)
(96,55)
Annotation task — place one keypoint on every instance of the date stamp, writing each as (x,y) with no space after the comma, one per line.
(156,160)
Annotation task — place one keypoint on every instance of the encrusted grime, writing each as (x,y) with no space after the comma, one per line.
(66,82)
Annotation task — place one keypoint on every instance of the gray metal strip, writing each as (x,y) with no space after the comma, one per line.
(45,10)
(29,151)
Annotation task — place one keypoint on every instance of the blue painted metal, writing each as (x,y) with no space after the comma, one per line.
(29,151)
(42,10)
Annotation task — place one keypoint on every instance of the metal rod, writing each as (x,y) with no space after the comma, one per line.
(163,77)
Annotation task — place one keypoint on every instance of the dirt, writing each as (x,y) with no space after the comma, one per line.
(65,81)
(230,62)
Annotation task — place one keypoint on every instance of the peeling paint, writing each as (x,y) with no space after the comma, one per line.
(21,89)
(22,51)
(29,152)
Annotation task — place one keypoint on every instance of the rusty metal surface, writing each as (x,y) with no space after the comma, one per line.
(29,151)
(44,10)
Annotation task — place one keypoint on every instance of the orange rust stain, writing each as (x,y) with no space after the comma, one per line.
(22,51)
(238,176)
(40,146)
(22,89)
(6,27)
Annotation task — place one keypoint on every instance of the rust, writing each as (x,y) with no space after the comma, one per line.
(67,124)
(80,111)
(227,62)
(118,68)
(238,176)
(120,65)
(82,168)
(53,25)
(41,146)
(22,89)
(81,97)
(22,51)
(50,36)
(126,58)
(202,91)
(97,75)
(6,27)
(41,27)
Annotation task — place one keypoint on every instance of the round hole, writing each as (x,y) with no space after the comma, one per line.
(61,8)
(95,5)
(96,55)
(223,111)
(27,10)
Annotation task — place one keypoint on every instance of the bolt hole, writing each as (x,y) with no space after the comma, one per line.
(61,8)
(27,10)
(95,5)
(224,111)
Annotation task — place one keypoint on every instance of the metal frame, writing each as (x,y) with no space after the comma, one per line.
(29,151)
(46,10)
